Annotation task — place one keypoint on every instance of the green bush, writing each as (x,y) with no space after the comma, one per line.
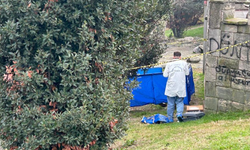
(64,65)
(185,13)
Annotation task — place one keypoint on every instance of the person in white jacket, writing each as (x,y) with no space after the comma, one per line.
(175,91)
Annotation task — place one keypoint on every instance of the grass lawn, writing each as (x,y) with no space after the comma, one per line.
(192,32)
(215,131)
(169,33)
(229,130)
(196,32)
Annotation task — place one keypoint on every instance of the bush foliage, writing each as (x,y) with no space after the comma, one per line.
(65,64)
(184,13)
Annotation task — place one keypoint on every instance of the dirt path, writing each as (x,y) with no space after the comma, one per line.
(186,52)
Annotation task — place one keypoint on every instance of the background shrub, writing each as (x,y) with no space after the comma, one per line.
(184,13)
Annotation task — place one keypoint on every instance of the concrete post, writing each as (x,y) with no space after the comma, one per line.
(205,33)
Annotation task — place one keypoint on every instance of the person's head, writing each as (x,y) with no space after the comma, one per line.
(177,55)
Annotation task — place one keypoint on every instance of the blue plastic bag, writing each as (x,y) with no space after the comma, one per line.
(156,119)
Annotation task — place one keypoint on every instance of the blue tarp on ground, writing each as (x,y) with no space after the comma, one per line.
(152,87)
(158,118)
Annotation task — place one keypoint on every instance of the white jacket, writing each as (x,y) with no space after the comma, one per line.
(176,72)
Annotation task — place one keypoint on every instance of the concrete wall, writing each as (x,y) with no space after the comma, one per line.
(227,72)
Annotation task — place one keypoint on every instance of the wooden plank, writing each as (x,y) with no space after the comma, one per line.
(191,108)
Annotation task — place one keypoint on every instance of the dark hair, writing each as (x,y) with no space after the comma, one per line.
(178,54)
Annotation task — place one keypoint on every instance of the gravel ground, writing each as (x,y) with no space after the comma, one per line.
(185,52)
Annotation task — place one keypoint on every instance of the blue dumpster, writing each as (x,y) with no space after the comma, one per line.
(152,87)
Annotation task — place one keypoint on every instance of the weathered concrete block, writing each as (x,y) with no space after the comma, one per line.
(229,63)
(210,89)
(211,103)
(247,102)
(228,6)
(245,53)
(224,93)
(237,106)
(241,37)
(243,29)
(246,107)
(238,83)
(244,65)
(230,52)
(223,80)
(210,74)
(239,96)
(224,105)
(240,6)
(211,61)
(214,36)
(210,111)
(214,33)
(228,14)
(215,15)
(248,20)
(229,28)
(227,38)
(248,16)
(247,86)
(224,50)
(240,14)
